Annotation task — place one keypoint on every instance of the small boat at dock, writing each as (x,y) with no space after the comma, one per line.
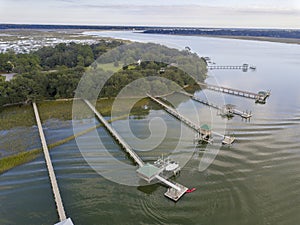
(190,190)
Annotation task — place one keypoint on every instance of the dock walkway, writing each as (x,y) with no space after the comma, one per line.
(114,133)
(173,112)
(234,111)
(55,189)
(243,67)
(178,189)
(259,97)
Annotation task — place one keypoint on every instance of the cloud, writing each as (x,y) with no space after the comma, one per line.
(133,13)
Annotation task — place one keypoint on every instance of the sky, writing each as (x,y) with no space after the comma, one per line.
(187,13)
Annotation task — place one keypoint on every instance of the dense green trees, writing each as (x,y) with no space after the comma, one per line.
(69,55)
(19,63)
(54,72)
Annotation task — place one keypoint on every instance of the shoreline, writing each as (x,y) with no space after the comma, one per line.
(264,39)
(247,38)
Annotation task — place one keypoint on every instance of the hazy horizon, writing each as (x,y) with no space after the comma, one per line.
(175,13)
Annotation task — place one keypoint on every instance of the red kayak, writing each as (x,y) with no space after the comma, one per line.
(190,190)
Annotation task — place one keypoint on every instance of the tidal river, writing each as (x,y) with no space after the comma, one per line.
(254,181)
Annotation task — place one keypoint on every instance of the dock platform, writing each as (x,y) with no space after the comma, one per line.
(174,194)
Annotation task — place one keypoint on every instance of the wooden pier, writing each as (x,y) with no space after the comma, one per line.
(259,97)
(55,189)
(173,112)
(146,171)
(226,110)
(114,133)
(244,67)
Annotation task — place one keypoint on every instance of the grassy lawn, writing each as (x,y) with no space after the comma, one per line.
(110,66)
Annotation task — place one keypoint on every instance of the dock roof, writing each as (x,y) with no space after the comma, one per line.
(148,171)
(205,127)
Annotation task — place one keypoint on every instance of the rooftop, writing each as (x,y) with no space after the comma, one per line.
(206,127)
(148,171)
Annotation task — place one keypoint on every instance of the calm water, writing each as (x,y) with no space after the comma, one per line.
(255,181)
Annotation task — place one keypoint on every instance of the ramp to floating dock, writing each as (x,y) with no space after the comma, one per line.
(55,189)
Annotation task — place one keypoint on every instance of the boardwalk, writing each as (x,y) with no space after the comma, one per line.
(55,189)
(173,112)
(259,97)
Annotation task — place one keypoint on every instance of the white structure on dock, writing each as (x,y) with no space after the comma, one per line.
(173,112)
(55,189)
(146,171)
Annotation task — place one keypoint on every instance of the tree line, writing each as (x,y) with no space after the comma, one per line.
(54,72)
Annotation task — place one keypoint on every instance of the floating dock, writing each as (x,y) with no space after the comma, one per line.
(173,112)
(259,97)
(146,171)
(226,110)
(55,189)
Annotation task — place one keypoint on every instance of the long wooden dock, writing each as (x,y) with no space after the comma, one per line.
(259,97)
(55,189)
(114,133)
(216,67)
(233,111)
(178,190)
(173,112)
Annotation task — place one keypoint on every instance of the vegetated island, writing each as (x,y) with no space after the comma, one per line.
(51,74)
